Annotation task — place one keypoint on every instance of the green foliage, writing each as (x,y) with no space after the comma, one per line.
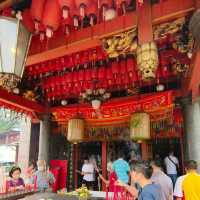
(8,120)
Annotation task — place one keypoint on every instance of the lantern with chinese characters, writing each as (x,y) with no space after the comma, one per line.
(75,130)
(14,42)
(37,8)
(147,60)
(51,17)
(140,126)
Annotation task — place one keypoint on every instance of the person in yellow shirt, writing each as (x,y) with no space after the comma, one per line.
(187,187)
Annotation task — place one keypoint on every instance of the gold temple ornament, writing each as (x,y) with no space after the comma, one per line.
(147,60)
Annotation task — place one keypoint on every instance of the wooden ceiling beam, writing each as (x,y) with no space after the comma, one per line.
(20,102)
(91,37)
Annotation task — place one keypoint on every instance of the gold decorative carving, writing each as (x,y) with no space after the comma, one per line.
(123,43)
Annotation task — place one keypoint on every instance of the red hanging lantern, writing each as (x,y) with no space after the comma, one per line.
(67,7)
(51,17)
(109,76)
(75,77)
(126,81)
(101,73)
(70,62)
(27,20)
(92,13)
(85,85)
(82,5)
(88,75)
(118,82)
(37,8)
(81,76)
(123,67)
(101,54)
(131,65)
(93,55)
(76,18)
(104,5)
(84,58)
(115,68)
(57,66)
(68,79)
(122,5)
(94,73)
(76,59)
(66,24)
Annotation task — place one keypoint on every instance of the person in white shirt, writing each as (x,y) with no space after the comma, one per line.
(172,166)
(88,174)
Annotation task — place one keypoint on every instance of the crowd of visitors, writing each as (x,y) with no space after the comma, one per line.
(148,180)
(143,180)
(37,176)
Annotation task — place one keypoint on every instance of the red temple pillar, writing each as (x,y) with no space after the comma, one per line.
(145,30)
(104,162)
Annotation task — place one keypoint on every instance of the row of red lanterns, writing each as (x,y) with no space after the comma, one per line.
(69,62)
(117,76)
(48,15)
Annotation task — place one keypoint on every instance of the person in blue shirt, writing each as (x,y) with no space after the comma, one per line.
(121,168)
(141,173)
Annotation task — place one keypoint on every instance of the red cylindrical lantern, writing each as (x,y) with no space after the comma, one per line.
(104,5)
(92,13)
(123,67)
(76,59)
(115,68)
(68,79)
(51,17)
(94,73)
(101,73)
(27,20)
(82,5)
(81,75)
(75,77)
(109,76)
(67,7)
(85,58)
(131,65)
(121,5)
(66,24)
(70,62)
(37,8)
(126,81)
(88,75)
